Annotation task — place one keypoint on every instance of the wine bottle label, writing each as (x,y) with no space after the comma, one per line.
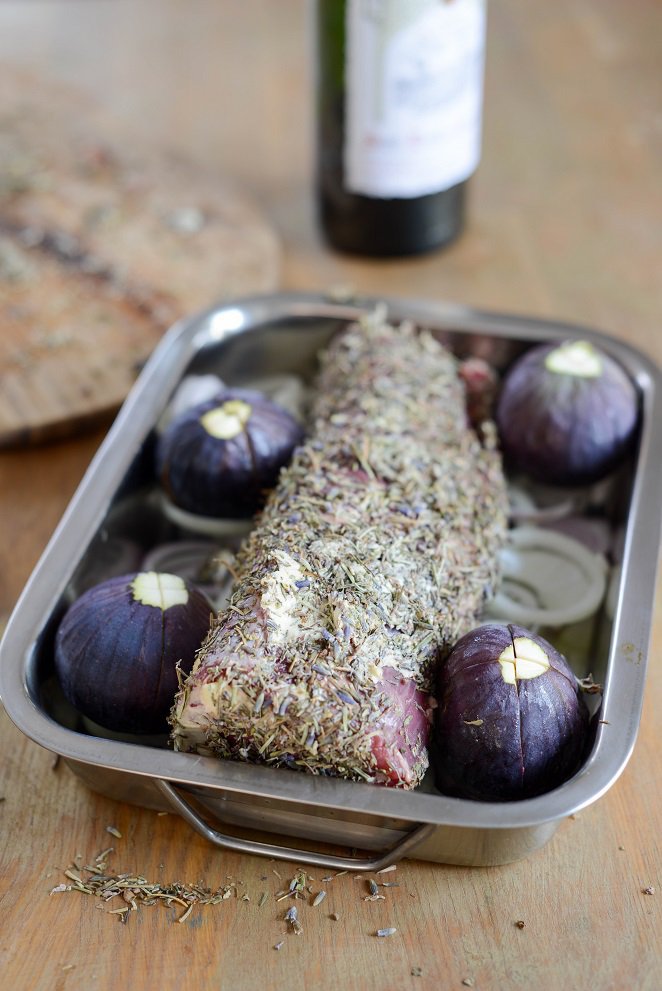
(413,92)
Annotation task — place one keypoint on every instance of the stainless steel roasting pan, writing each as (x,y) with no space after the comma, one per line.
(226,801)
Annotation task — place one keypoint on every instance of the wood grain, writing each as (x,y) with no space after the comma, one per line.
(565,221)
(104,243)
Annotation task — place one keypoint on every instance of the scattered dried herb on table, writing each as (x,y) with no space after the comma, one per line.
(373,555)
(135,890)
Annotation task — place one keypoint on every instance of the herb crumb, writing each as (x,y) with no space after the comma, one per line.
(520,923)
(292,916)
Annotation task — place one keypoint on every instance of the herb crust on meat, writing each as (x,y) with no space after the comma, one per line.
(373,555)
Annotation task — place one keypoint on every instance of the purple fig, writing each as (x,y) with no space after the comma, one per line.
(118,645)
(510,720)
(220,457)
(567,413)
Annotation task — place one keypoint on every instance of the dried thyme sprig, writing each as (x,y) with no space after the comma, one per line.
(297,887)
(136,890)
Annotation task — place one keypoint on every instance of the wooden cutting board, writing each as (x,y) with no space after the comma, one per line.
(103,244)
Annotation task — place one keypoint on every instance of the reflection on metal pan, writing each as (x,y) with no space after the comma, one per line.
(280,335)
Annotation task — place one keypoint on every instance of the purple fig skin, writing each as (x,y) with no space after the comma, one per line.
(116,657)
(563,429)
(496,741)
(215,477)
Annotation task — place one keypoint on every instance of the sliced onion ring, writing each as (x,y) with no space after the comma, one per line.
(567,580)
(209,525)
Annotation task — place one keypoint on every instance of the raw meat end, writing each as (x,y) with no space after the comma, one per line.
(400,746)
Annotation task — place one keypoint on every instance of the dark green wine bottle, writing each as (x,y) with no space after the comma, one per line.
(399,121)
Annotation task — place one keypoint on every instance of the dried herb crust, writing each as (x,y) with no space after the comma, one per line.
(373,555)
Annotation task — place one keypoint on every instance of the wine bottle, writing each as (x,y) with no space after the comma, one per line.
(399,121)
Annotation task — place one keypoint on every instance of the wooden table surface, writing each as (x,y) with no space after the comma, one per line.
(566,221)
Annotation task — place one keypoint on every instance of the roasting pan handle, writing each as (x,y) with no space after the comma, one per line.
(187,812)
